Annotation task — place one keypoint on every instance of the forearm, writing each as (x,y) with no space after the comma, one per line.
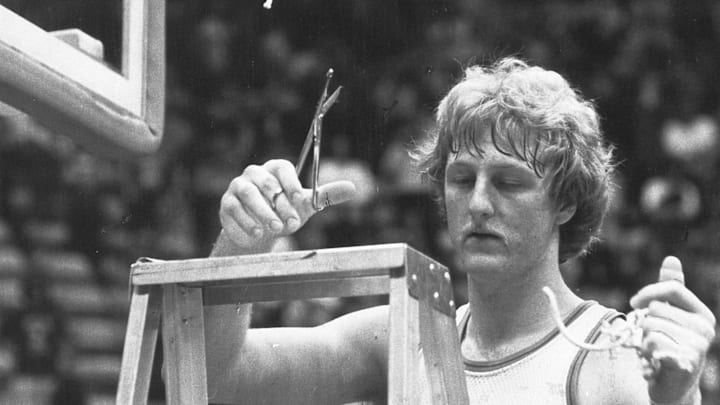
(226,326)
(225,330)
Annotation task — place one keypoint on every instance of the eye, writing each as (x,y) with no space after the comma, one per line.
(509,182)
(461,179)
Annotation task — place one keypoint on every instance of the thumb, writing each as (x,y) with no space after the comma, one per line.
(335,193)
(671,269)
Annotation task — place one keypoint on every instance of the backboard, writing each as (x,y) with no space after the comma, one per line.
(116,112)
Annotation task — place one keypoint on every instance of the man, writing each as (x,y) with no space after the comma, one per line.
(523,176)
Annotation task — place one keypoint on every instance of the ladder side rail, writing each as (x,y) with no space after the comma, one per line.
(184,345)
(429,282)
(139,347)
(403,344)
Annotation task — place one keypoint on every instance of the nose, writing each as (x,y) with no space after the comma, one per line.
(482,199)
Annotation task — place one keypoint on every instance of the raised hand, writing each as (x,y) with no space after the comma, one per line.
(268,201)
(677,333)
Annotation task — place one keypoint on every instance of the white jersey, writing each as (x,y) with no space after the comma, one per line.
(544,373)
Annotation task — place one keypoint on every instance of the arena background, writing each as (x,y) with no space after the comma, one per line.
(242,84)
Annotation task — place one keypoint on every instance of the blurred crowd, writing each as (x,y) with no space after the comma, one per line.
(242,85)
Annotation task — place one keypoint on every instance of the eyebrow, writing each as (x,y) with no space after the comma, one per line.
(513,164)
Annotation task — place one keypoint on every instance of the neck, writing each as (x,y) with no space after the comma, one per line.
(509,315)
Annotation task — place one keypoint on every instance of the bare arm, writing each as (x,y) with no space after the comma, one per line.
(226,326)
(259,206)
(341,361)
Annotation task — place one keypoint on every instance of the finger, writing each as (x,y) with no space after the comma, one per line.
(287,213)
(284,172)
(674,294)
(657,340)
(654,344)
(256,204)
(671,269)
(661,346)
(236,234)
(283,203)
(236,222)
(684,319)
(670,332)
(265,181)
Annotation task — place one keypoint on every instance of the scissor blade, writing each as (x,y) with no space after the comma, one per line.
(305,149)
(323,108)
(330,101)
(324,94)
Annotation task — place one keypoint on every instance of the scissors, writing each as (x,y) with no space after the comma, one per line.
(314,137)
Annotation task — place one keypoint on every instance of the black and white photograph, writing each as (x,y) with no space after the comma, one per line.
(359,202)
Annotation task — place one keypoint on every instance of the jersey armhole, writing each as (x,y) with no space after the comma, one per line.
(571,386)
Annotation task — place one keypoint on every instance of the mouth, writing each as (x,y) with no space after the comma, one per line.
(482,236)
(481,242)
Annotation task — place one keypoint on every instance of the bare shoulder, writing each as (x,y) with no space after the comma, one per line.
(612,377)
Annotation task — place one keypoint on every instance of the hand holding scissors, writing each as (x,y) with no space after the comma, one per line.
(268,201)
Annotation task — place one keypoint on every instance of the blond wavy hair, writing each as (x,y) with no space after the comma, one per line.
(535,115)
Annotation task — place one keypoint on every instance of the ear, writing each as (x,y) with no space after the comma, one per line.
(565,213)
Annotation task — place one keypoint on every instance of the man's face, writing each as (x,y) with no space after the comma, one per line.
(499,214)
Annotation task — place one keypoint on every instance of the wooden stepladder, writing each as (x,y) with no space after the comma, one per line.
(170,293)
